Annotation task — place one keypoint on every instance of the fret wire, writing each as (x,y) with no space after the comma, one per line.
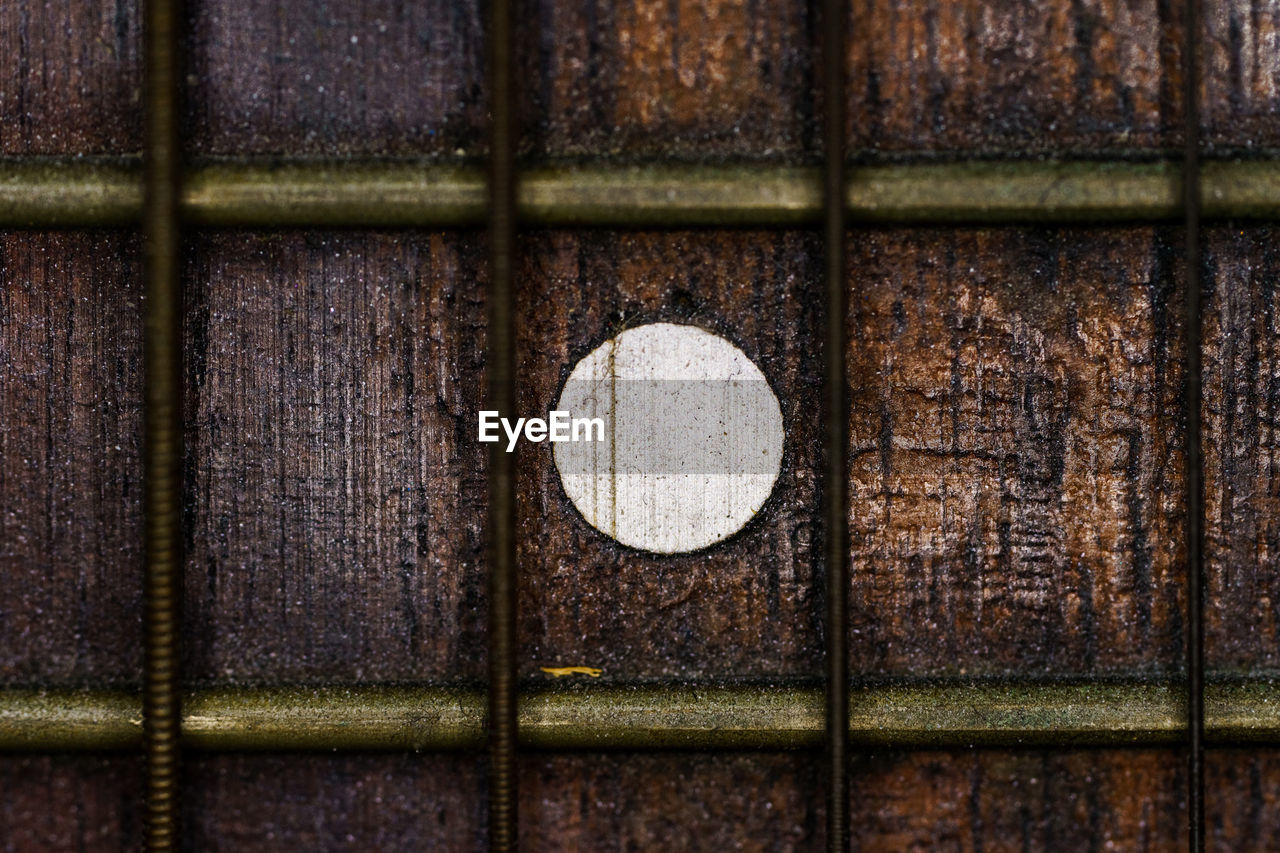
(48,193)
(835,427)
(1030,714)
(161,705)
(500,370)
(1192,194)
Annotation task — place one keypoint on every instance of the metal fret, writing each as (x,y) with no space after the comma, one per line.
(67,194)
(641,717)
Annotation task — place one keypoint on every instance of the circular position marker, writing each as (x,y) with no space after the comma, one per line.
(686,444)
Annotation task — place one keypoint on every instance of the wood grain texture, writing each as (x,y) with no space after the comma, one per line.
(707,78)
(613,802)
(356,802)
(70,458)
(1018,78)
(1241,423)
(697,78)
(1015,495)
(86,802)
(693,79)
(70,77)
(685,79)
(744,608)
(989,800)
(1019,801)
(1243,801)
(335,487)
(315,78)
(1240,88)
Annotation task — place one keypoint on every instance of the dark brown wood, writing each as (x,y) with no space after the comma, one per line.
(1040,385)
(336,489)
(987,800)
(70,802)
(1015,478)
(70,77)
(1243,799)
(613,802)
(1020,78)
(334,802)
(697,78)
(990,800)
(1019,800)
(746,608)
(1015,486)
(1016,489)
(685,79)
(701,78)
(1240,67)
(307,79)
(70,464)
(1242,448)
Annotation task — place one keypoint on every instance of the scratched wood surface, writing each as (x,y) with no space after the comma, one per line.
(1015,475)
(1242,448)
(678,801)
(744,608)
(1240,83)
(1063,394)
(1244,799)
(1015,470)
(70,458)
(70,77)
(1024,800)
(356,802)
(697,78)
(315,78)
(335,488)
(967,801)
(689,79)
(82,802)
(1013,77)
(580,802)
(702,78)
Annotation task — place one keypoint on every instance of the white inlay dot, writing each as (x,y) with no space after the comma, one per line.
(692,441)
